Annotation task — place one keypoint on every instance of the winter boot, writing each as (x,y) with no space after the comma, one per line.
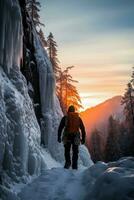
(67,165)
(74,166)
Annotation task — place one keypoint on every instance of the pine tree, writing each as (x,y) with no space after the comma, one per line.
(112,151)
(42,37)
(95,145)
(33,8)
(52,52)
(67,91)
(125,141)
(128,101)
(132,77)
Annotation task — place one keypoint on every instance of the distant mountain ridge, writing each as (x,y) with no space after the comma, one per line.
(97,117)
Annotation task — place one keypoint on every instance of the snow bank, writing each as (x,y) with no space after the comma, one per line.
(110,181)
(85,159)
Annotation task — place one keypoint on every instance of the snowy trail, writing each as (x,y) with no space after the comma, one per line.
(55,184)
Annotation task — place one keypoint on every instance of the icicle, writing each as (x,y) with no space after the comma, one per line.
(10,34)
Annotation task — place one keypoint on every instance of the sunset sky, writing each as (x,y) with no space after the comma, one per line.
(97,37)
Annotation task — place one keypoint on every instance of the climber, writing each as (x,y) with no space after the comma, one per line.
(71,123)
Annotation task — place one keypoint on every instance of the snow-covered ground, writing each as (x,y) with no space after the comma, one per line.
(57,183)
(113,181)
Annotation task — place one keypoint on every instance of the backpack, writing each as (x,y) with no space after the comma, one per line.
(72,122)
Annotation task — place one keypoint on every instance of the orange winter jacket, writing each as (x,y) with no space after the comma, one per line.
(72,123)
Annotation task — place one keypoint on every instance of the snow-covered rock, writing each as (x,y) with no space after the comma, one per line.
(113,181)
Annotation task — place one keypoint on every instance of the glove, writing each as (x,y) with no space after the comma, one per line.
(83,141)
(59,139)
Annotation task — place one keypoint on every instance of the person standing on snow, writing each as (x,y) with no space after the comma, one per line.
(72,124)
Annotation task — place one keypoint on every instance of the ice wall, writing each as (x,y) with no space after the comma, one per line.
(20,151)
(50,106)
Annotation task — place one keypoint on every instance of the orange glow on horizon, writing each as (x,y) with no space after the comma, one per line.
(93,99)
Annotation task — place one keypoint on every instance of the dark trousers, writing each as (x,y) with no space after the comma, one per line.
(75,151)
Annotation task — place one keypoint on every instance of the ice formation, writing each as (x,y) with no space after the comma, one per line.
(20,133)
(10,34)
(50,107)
